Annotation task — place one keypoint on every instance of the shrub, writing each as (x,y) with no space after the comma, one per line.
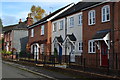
(8,52)
(3,52)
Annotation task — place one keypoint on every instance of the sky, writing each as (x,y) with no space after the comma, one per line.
(13,10)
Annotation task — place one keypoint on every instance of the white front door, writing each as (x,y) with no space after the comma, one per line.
(36,51)
(72,54)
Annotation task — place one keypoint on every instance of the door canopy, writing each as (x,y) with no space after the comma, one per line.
(58,40)
(103,35)
(71,38)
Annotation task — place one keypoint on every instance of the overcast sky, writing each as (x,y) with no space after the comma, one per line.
(13,10)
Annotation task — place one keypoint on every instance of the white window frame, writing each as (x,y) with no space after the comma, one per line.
(80,19)
(32,32)
(80,46)
(92,46)
(104,14)
(61,25)
(71,22)
(54,27)
(42,30)
(91,17)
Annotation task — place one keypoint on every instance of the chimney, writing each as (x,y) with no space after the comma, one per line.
(20,21)
(29,20)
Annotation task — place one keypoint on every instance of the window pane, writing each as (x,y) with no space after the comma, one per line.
(93,46)
(42,30)
(54,26)
(80,19)
(71,22)
(61,24)
(92,17)
(32,32)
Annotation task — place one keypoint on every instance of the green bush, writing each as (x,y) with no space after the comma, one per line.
(3,52)
(9,52)
(55,52)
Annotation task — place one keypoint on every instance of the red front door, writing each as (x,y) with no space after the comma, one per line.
(104,54)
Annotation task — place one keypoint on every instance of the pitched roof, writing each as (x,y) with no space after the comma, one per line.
(76,8)
(20,26)
(59,39)
(71,37)
(8,28)
(43,20)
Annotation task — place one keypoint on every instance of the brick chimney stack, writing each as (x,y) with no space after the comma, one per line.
(29,20)
(20,21)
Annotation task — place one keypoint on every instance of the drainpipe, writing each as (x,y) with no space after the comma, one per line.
(65,37)
(112,35)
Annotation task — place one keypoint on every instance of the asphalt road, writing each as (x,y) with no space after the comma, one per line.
(9,71)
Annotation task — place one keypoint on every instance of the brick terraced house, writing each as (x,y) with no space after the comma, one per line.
(39,42)
(101,35)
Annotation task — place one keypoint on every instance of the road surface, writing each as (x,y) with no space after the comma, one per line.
(9,71)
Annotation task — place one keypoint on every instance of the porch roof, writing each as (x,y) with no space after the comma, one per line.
(59,39)
(101,34)
(71,37)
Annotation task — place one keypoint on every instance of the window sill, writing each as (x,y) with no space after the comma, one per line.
(54,31)
(79,25)
(60,29)
(71,26)
(91,52)
(91,24)
(106,21)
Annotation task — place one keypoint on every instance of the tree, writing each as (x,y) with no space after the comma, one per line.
(1,23)
(37,12)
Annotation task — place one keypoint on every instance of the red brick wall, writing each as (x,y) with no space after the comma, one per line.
(38,38)
(7,39)
(90,31)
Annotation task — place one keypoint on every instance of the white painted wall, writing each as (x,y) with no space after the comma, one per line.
(76,30)
(58,33)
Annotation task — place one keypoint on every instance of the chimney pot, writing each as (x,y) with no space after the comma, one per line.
(20,20)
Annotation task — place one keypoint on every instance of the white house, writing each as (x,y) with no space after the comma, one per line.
(67,33)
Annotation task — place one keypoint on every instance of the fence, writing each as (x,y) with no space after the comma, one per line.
(81,63)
